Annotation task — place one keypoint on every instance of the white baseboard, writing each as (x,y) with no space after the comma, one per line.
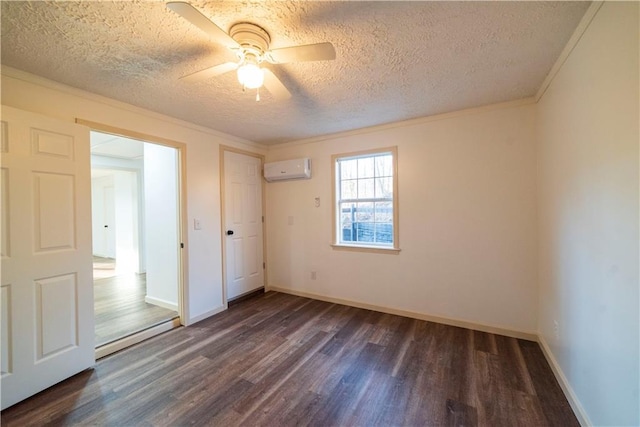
(161,303)
(203,316)
(107,349)
(531,336)
(578,409)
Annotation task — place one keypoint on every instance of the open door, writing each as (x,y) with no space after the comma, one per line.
(47,286)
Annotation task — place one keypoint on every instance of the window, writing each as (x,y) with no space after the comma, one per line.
(365,202)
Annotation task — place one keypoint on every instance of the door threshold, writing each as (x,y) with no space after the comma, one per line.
(129,340)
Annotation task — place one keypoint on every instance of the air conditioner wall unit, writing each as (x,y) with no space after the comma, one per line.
(288,169)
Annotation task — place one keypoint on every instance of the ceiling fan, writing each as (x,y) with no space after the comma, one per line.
(250,42)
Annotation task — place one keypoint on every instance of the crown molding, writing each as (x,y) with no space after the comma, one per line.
(407,123)
(571,44)
(14,73)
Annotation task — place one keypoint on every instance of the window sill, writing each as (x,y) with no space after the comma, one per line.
(372,249)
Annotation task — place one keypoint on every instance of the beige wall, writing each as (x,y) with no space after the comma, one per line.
(467,221)
(588,209)
(31,93)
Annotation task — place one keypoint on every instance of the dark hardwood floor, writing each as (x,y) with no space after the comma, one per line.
(278,359)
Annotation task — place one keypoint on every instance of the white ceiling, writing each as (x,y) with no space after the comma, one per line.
(395,60)
(104,144)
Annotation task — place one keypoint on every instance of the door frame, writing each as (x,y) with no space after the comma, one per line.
(223,149)
(183,258)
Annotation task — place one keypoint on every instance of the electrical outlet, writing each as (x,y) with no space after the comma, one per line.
(313,275)
(556,329)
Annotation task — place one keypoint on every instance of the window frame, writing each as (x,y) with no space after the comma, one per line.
(336,244)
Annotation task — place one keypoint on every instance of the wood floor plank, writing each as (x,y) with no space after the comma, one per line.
(346,395)
(277,359)
(278,374)
(552,401)
(461,381)
(459,414)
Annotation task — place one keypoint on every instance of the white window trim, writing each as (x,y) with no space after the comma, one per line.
(395,249)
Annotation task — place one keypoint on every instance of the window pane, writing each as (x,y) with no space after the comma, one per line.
(349,189)
(384,165)
(347,213)
(347,217)
(347,234)
(349,169)
(384,188)
(364,212)
(365,188)
(384,212)
(365,167)
(384,233)
(365,232)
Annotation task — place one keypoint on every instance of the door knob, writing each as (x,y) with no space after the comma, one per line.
(229,232)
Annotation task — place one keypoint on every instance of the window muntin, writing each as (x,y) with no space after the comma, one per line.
(365,208)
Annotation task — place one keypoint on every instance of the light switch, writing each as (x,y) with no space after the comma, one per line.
(196,224)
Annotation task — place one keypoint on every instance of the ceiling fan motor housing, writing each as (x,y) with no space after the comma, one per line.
(252,38)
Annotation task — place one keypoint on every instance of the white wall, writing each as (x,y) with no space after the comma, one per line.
(467,221)
(161,225)
(588,180)
(126,216)
(204,268)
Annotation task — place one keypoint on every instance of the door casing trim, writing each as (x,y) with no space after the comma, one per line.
(183,260)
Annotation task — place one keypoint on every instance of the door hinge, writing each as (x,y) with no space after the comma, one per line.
(181,245)
(263,266)
(262,218)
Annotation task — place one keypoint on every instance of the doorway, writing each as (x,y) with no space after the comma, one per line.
(136,237)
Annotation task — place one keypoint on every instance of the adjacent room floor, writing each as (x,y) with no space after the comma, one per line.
(278,359)
(120,308)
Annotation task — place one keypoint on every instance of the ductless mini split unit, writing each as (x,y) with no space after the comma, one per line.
(288,169)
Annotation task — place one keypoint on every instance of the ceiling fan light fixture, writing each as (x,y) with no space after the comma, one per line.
(250,75)
(251,43)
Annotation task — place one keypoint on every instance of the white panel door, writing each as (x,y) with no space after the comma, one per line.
(47,285)
(103,216)
(243,221)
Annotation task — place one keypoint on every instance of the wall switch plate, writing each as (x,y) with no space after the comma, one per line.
(313,275)
(196,224)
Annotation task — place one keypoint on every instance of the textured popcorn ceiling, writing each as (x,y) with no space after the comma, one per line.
(395,60)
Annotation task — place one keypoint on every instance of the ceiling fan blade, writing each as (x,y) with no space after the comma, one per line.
(207,73)
(194,16)
(275,86)
(310,52)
